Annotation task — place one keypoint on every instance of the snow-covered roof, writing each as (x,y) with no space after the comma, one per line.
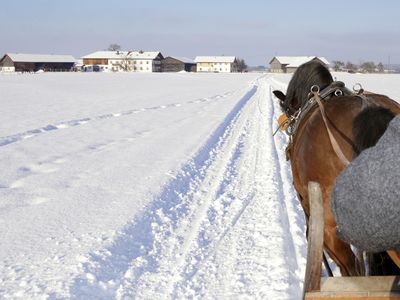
(43,58)
(296,61)
(215,59)
(123,54)
(106,54)
(144,54)
(183,59)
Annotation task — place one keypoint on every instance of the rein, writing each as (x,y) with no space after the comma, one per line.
(332,139)
(336,88)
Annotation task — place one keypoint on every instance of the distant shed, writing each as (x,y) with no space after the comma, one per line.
(289,64)
(177,64)
(18,62)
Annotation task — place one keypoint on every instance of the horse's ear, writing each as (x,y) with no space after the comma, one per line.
(278,94)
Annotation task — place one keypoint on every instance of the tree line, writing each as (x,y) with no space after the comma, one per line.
(365,67)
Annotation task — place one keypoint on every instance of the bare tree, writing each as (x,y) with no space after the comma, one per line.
(114,47)
(125,64)
(241,65)
(381,68)
(338,65)
(368,67)
(350,67)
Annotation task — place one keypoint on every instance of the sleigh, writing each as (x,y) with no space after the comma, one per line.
(360,287)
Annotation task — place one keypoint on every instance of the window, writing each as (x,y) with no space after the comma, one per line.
(147,62)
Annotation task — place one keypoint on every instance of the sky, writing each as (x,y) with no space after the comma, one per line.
(255,30)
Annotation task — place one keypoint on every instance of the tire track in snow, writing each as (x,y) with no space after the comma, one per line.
(220,229)
(257,248)
(138,249)
(295,211)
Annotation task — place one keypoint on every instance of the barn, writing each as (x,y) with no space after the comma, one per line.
(19,62)
(289,64)
(177,64)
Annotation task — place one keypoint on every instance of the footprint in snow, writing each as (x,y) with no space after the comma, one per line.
(38,200)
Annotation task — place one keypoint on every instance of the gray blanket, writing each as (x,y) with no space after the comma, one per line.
(366,196)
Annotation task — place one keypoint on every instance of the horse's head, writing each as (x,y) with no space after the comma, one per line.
(298,91)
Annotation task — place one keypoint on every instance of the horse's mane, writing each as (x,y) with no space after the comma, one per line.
(307,75)
(369,125)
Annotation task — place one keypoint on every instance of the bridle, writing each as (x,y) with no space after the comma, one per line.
(336,88)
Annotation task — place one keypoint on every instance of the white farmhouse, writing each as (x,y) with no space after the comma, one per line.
(128,61)
(145,61)
(220,64)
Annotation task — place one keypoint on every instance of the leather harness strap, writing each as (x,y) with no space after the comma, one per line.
(332,139)
(336,88)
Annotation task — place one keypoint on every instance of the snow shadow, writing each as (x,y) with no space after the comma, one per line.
(138,246)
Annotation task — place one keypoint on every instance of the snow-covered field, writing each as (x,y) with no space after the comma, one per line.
(149,186)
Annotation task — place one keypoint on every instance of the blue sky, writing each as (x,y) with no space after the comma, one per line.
(255,30)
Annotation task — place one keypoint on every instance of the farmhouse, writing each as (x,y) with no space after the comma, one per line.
(177,64)
(129,61)
(289,64)
(222,64)
(18,62)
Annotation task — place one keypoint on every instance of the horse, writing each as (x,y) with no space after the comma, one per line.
(314,130)
(368,127)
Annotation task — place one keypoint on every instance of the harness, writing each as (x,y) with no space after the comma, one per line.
(336,88)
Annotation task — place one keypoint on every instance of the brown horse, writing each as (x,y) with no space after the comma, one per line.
(310,149)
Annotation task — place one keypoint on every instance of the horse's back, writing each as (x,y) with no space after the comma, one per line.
(312,155)
(385,101)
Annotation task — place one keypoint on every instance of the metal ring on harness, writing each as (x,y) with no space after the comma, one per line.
(289,130)
(338,93)
(358,89)
(315,89)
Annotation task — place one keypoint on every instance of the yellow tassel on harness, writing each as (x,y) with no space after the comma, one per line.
(283,122)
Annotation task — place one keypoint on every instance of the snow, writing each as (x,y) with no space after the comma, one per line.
(149,186)
(214,59)
(296,61)
(43,58)
(122,54)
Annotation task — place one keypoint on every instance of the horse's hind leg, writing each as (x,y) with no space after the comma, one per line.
(340,252)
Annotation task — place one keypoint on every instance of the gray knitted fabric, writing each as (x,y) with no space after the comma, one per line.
(366,196)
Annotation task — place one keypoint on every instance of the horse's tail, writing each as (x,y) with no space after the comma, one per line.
(369,125)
